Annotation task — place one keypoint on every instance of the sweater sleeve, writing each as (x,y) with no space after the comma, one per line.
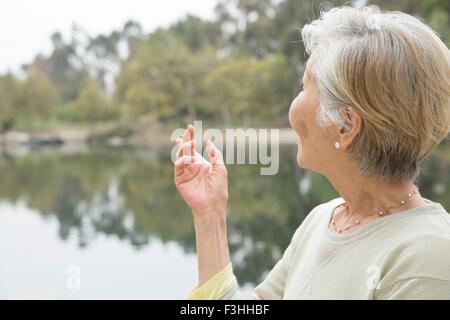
(222,285)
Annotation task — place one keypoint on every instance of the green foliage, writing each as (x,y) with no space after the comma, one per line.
(9,91)
(152,79)
(196,33)
(26,101)
(37,97)
(91,106)
(249,88)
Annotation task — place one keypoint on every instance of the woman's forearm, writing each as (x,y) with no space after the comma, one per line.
(212,244)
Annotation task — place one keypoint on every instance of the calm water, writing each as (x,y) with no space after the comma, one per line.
(115,216)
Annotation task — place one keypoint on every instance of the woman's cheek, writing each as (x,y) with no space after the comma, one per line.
(294,114)
(300,125)
(302,128)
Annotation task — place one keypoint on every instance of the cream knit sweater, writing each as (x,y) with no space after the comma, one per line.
(401,256)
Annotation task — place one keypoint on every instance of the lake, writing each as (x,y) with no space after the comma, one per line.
(108,223)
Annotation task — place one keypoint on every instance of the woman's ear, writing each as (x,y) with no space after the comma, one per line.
(352,126)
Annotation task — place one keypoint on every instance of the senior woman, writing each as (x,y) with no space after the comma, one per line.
(375,102)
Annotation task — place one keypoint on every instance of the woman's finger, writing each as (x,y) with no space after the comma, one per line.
(186,149)
(188,134)
(214,154)
(200,158)
(179,142)
(181,163)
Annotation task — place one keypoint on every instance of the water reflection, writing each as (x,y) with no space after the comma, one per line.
(130,195)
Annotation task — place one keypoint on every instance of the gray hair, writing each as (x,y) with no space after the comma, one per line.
(395,71)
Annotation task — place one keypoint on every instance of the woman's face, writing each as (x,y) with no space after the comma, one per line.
(314,146)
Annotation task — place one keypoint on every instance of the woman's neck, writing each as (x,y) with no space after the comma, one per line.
(364,194)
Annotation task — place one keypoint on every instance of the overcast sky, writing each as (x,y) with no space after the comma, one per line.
(26,25)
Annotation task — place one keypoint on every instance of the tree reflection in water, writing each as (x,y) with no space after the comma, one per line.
(130,194)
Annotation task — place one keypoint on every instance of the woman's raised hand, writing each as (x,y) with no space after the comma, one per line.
(202,184)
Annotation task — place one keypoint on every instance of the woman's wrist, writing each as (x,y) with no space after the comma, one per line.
(206,217)
(212,225)
(212,243)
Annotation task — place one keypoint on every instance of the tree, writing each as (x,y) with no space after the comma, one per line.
(63,67)
(250,90)
(37,97)
(92,105)
(102,59)
(132,34)
(9,88)
(153,79)
(196,33)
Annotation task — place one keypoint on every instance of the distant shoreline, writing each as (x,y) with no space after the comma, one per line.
(145,137)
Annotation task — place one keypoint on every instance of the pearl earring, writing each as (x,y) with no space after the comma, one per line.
(337,145)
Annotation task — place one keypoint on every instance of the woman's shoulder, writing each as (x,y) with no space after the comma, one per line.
(420,245)
(426,223)
(425,256)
